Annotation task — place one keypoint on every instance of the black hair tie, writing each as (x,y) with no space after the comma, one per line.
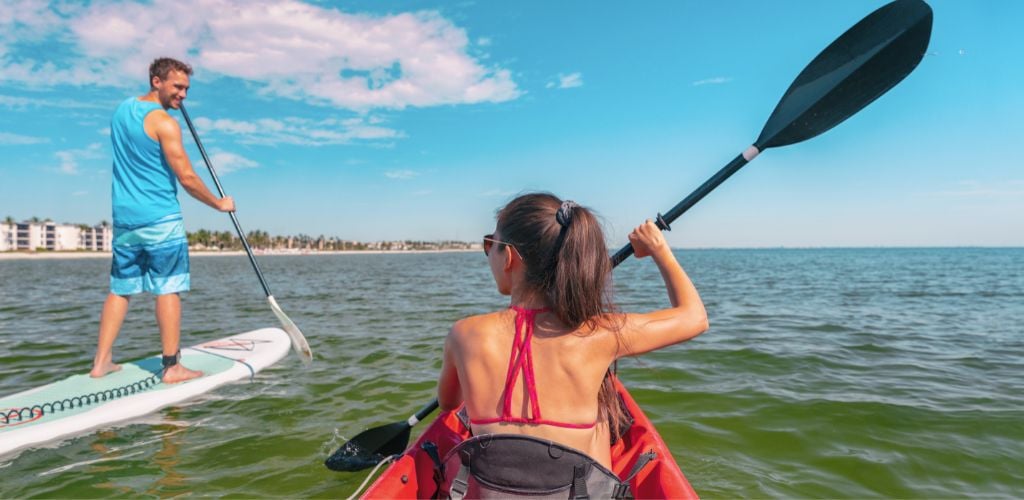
(564,213)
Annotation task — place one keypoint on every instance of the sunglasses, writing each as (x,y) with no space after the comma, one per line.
(489,242)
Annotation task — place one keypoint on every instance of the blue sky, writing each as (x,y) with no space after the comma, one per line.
(374,120)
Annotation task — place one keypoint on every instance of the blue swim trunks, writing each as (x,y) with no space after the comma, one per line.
(150,258)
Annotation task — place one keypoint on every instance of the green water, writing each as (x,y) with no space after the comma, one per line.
(826,373)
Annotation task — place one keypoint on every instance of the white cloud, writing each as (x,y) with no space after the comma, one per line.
(286,48)
(19,103)
(9,139)
(300,131)
(225,162)
(567,81)
(69,159)
(26,20)
(718,80)
(402,175)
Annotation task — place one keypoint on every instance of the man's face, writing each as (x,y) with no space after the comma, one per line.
(171,90)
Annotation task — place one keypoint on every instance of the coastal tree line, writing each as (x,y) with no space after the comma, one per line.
(204,239)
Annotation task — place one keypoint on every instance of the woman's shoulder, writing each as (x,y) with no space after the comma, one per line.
(609,323)
(476,323)
(603,332)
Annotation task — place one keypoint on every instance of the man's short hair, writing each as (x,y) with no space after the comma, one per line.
(163,66)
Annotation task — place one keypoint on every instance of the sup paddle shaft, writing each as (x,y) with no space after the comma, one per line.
(299,343)
(220,191)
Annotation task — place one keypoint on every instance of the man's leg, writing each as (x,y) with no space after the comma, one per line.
(168,317)
(114,310)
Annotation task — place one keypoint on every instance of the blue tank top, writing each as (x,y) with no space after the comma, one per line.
(145,188)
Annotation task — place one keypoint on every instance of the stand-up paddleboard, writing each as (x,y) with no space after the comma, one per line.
(79,403)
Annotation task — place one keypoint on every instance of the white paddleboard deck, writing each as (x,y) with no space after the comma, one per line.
(79,403)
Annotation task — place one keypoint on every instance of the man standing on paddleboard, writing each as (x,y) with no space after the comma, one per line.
(150,250)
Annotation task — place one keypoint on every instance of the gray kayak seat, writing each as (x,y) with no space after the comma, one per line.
(517,466)
(513,465)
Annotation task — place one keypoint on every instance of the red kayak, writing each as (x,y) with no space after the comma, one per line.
(412,475)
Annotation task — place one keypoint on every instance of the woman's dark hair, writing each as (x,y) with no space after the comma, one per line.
(567,262)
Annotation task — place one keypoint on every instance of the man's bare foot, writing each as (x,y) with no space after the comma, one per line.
(103,369)
(178,373)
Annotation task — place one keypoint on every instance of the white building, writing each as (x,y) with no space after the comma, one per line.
(51,236)
(96,238)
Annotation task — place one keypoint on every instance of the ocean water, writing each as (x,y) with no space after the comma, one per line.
(841,373)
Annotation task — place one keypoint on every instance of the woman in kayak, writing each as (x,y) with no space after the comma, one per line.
(539,368)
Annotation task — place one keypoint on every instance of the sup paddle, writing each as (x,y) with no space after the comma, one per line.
(299,343)
(858,67)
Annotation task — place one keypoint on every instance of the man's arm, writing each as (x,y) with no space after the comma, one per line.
(168,133)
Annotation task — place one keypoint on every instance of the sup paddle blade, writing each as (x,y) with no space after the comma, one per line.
(299,343)
(858,67)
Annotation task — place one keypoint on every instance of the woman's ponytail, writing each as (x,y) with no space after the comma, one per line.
(579,269)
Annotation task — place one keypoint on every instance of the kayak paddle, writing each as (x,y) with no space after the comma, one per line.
(299,343)
(371,446)
(858,67)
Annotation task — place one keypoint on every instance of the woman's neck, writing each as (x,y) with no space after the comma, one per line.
(527,299)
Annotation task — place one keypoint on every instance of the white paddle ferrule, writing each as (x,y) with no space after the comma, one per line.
(413,421)
(751,153)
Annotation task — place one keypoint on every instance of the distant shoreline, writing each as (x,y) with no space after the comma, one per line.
(233,253)
(227,253)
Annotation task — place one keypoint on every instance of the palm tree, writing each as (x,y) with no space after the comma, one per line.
(259,239)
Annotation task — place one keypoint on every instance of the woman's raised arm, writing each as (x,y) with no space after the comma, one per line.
(684,320)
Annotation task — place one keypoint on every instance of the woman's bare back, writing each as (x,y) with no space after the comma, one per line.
(568,368)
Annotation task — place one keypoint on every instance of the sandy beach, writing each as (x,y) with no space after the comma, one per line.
(229,253)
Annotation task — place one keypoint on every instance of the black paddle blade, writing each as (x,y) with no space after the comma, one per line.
(865,62)
(369,447)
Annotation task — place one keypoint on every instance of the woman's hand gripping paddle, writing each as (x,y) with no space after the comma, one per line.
(299,343)
(858,67)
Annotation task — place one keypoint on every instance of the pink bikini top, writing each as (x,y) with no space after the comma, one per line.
(521,360)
